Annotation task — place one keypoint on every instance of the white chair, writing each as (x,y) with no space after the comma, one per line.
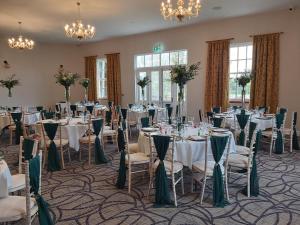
(109,131)
(289,132)
(134,159)
(243,161)
(15,208)
(18,180)
(204,169)
(172,167)
(132,122)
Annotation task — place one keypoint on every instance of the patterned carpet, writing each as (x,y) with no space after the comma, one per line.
(86,195)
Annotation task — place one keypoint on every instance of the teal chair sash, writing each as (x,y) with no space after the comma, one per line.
(39,108)
(34,175)
(110,103)
(217,122)
(99,153)
(295,142)
(145,122)
(168,105)
(169,112)
(242,120)
(17,116)
(53,155)
(234,107)
(73,109)
(252,127)
(162,195)
(108,117)
(90,108)
(216,109)
(130,105)
(124,118)
(151,113)
(279,138)
(27,147)
(48,115)
(122,165)
(218,145)
(282,110)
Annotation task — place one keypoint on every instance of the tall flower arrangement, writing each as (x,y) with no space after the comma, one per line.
(180,75)
(242,81)
(143,83)
(85,84)
(10,83)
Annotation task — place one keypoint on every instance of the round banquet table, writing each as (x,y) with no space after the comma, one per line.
(5,179)
(186,151)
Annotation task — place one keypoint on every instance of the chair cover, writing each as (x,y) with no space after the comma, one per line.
(216,109)
(34,175)
(90,108)
(217,122)
(122,165)
(99,153)
(279,138)
(169,111)
(73,109)
(162,195)
(218,145)
(17,116)
(145,122)
(295,136)
(39,108)
(242,120)
(53,156)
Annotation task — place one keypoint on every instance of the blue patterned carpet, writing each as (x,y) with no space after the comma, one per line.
(86,195)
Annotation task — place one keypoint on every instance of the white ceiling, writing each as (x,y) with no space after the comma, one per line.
(44,20)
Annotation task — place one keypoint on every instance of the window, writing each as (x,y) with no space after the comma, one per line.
(157,67)
(240,61)
(101,79)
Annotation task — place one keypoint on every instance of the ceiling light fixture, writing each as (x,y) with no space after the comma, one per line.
(78,30)
(181,12)
(20,42)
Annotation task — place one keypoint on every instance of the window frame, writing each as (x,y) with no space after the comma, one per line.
(99,79)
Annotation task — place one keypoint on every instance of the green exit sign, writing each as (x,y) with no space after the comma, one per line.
(158,47)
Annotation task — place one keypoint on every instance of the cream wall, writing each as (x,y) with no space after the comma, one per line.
(35,69)
(193,38)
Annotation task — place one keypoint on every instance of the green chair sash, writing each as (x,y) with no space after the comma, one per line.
(110,103)
(90,108)
(282,110)
(252,127)
(73,109)
(217,122)
(169,112)
(39,108)
(130,105)
(122,165)
(145,122)
(17,116)
(34,175)
(216,109)
(168,105)
(151,114)
(242,120)
(53,155)
(27,146)
(295,142)
(279,138)
(49,115)
(218,145)
(108,117)
(124,118)
(209,115)
(162,195)
(99,153)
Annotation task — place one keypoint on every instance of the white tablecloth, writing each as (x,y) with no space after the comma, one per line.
(29,119)
(187,151)
(4,122)
(5,179)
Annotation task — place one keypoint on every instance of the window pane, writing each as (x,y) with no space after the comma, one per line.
(249,65)
(182,57)
(155,85)
(141,76)
(232,88)
(165,60)
(167,86)
(249,51)
(233,66)
(233,53)
(174,58)
(156,60)
(148,60)
(242,66)
(242,52)
(140,61)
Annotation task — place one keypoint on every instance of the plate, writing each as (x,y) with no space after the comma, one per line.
(197,138)
(220,130)
(150,129)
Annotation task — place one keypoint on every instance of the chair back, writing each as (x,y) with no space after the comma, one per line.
(216,109)
(145,122)
(201,116)
(27,149)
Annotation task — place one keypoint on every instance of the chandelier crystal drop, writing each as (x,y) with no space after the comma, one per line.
(20,42)
(181,12)
(78,29)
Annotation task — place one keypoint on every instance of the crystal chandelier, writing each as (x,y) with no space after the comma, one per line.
(181,12)
(78,30)
(20,42)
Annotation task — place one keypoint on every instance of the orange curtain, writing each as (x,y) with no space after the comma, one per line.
(265,68)
(91,74)
(114,78)
(217,77)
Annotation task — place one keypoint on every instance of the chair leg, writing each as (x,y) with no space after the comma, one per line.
(10,136)
(62,157)
(182,183)
(248,182)
(150,186)
(174,190)
(69,154)
(291,141)
(89,152)
(202,191)
(271,146)
(226,185)
(192,183)
(129,179)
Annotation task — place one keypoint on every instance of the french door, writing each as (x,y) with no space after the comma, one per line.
(160,91)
